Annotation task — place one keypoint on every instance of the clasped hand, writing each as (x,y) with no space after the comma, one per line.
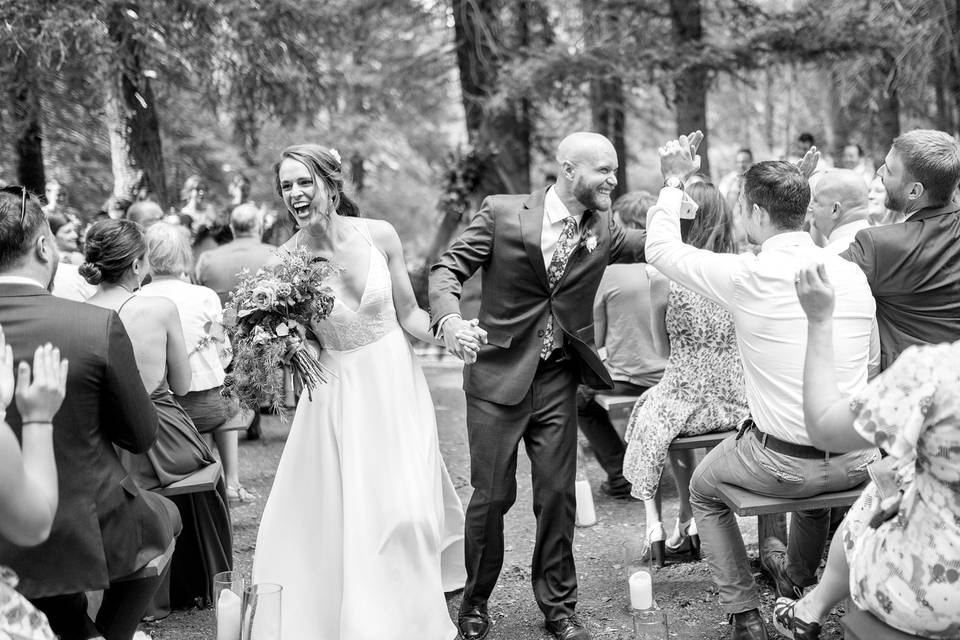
(463,338)
(678,158)
(40,399)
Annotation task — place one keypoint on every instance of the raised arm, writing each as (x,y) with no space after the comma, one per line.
(28,472)
(826,412)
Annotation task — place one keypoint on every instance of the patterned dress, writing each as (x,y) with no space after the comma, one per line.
(906,571)
(701,390)
(19,620)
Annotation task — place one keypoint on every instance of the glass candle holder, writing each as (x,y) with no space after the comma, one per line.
(228,602)
(261,612)
(650,624)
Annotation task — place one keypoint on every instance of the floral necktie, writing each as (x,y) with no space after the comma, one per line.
(558,263)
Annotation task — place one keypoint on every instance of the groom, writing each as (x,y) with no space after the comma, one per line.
(542,256)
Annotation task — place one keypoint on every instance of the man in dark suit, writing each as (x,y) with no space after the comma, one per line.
(106,531)
(914,267)
(542,255)
(219,268)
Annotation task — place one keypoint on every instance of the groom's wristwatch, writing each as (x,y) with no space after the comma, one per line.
(673,181)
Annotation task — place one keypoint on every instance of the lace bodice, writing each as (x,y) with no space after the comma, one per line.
(347,329)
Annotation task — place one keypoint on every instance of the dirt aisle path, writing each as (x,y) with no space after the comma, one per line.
(684,590)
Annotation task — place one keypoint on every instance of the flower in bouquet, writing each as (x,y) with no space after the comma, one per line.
(269,318)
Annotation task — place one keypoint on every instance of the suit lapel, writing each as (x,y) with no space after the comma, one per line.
(531,228)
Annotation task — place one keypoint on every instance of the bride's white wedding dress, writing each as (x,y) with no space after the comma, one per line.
(363,527)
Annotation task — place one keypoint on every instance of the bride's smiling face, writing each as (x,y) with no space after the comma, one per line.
(305,197)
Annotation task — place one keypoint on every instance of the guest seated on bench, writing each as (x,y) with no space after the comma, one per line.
(702,386)
(621,321)
(896,554)
(117,261)
(775,457)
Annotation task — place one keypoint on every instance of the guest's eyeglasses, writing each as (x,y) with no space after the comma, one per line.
(17,190)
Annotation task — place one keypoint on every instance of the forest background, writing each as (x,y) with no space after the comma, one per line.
(434,104)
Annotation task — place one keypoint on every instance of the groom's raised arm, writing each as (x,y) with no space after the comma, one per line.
(470,251)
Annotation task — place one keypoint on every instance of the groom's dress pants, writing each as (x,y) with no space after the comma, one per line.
(546,421)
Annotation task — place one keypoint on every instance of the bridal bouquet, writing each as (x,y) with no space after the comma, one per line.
(267,319)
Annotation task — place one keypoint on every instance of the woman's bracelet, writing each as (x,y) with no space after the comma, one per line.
(36,422)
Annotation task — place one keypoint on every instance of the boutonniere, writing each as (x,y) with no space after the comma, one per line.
(590,241)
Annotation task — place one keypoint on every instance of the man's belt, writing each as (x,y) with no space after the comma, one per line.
(792,449)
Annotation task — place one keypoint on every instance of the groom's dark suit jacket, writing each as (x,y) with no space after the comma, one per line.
(104,523)
(504,239)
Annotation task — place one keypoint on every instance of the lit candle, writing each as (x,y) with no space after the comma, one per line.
(641,590)
(228,616)
(586,515)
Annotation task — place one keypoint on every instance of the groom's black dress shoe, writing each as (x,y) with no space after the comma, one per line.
(474,623)
(748,625)
(567,629)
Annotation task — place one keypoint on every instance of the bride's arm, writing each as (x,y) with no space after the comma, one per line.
(412,318)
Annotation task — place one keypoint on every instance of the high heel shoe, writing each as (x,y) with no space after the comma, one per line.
(655,550)
(685,538)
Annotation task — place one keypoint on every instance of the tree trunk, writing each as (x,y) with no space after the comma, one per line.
(888,101)
(608,101)
(25,111)
(690,84)
(137,120)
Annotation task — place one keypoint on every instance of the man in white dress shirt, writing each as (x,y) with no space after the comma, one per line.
(839,207)
(772,455)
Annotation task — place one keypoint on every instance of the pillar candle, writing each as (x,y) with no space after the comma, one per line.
(641,590)
(586,515)
(228,616)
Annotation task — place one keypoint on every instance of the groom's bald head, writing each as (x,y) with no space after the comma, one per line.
(583,146)
(588,171)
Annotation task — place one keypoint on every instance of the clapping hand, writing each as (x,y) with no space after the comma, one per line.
(815,293)
(808,164)
(6,372)
(40,399)
(678,158)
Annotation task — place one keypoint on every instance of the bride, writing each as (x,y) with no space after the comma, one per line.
(363,527)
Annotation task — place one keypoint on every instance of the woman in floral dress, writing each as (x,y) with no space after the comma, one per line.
(702,388)
(897,554)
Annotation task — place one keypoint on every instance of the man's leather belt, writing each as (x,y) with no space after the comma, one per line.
(792,449)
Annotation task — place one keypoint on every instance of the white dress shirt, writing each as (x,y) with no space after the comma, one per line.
(760,293)
(841,236)
(554,215)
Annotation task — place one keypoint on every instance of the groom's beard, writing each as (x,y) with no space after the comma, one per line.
(590,198)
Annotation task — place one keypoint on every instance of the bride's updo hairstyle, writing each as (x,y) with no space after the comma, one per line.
(111,247)
(324,165)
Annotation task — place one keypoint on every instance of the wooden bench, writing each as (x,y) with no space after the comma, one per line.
(861,625)
(197,482)
(618,409)
(745,503)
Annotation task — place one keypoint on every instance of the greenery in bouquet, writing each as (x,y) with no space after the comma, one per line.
(268,320)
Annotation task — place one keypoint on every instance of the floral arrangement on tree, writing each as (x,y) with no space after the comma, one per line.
(267,319)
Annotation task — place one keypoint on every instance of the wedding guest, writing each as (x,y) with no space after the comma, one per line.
(145,213)
(772,455)
(117,262)
(896,553)
(239,190)
(624,339)
(853,160)
(838,207)
(220,268)
(28,474)
(67,237)
(913,268)
(543,255)
(201,317)
(731,183)
(876,199)
(193,195)
(106,530)
(702,386)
